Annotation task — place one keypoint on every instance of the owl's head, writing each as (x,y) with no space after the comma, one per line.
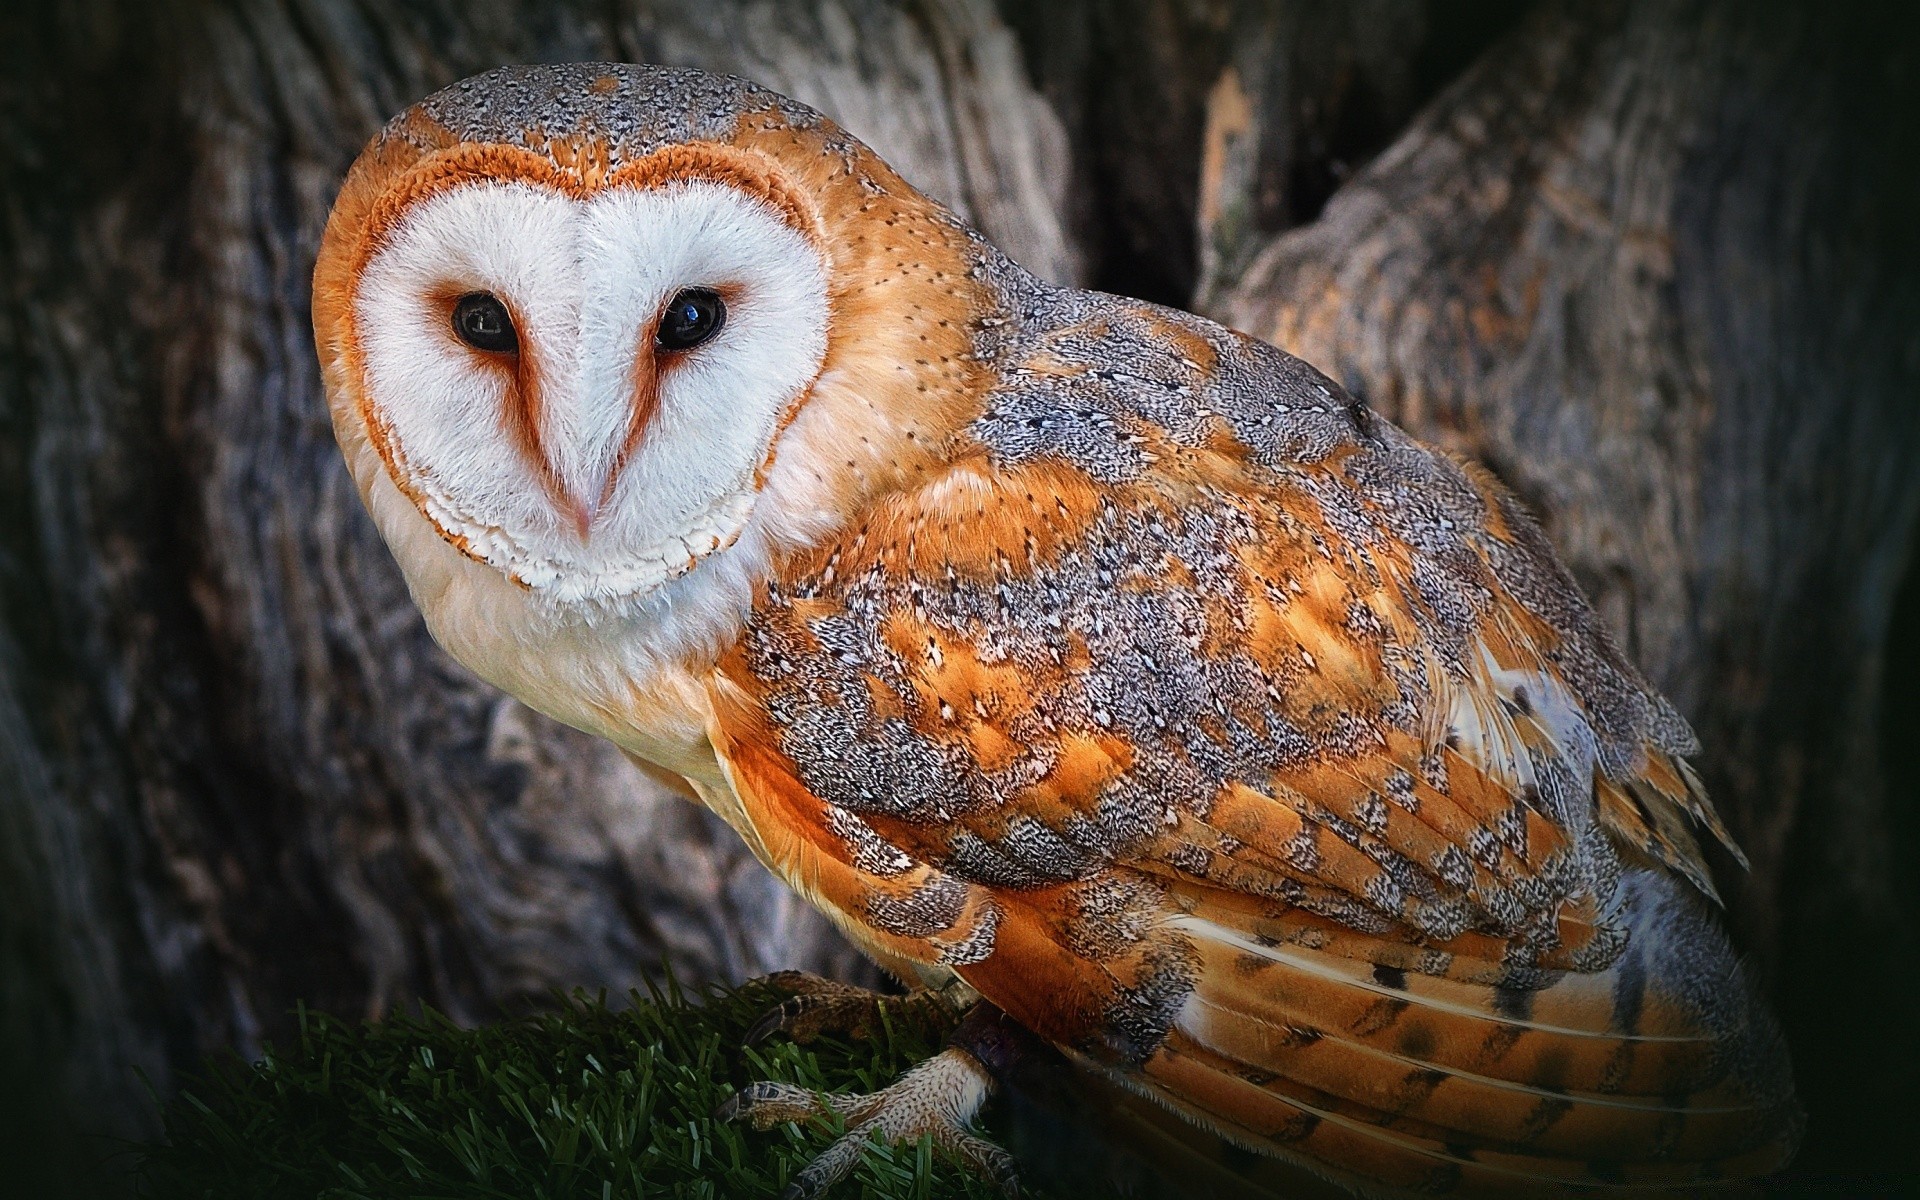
(593,324)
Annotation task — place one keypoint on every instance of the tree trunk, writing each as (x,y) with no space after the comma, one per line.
(242,774)
(1652,262)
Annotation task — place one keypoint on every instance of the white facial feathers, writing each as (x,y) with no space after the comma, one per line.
(588,467)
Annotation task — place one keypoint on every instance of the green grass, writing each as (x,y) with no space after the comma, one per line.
(585,1103)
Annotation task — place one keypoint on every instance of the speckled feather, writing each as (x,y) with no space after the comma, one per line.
(1130,670)
(631,113)
(1222,733)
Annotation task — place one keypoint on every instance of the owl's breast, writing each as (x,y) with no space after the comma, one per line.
(633,679)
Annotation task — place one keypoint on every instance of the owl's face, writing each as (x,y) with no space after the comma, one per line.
(578,387)
(604,339)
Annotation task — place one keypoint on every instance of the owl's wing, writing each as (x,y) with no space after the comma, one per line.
(1306,792)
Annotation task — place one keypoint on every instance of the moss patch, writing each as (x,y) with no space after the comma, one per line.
(588,1102)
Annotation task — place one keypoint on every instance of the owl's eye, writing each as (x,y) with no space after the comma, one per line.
(694,316)
(481,321)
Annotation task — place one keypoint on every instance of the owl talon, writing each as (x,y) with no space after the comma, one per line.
(819,1005)
(769,1102)
(939,1097)
(989,1160)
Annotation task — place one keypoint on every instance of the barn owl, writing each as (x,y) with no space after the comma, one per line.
(1112,671)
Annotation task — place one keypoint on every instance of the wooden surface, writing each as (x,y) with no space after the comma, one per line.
(1652,262)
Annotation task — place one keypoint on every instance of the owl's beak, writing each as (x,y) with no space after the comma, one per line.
(586,494)
(584,514)
(578,500)
(583,439)
(577,490)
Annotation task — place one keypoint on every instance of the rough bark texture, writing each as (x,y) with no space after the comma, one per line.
(1653,262)
(241,775)
(1324,87)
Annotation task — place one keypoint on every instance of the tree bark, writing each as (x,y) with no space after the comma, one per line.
(1322,87)
(240,774)
(1652,262)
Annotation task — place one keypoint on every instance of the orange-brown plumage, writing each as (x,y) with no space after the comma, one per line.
(1115,664)
(1441,992)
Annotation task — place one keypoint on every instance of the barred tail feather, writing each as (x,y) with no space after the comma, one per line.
(1637,1076)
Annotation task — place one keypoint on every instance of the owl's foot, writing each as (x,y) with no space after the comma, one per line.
(938,1097)
(819,1005)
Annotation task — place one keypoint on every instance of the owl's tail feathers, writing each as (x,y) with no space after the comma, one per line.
(1391,1080)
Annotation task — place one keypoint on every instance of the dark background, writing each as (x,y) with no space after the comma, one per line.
(1655,262)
